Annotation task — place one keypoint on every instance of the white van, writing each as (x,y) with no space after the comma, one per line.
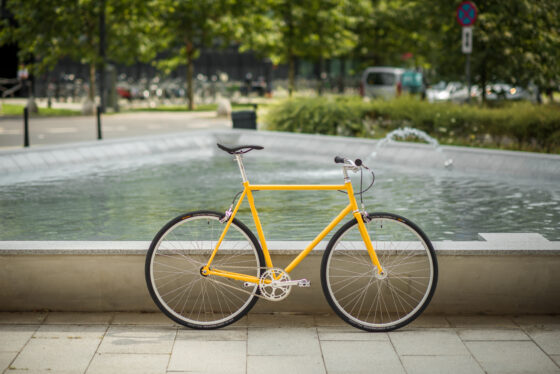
(382,82)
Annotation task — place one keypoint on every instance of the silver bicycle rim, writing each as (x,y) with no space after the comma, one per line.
(188,295)
(358,292)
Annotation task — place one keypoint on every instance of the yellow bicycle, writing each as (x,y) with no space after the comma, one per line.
(206,269)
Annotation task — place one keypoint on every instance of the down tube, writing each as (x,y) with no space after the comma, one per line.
(319,237)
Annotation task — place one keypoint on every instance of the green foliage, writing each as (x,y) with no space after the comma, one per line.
(284,30)
(46,31)
(520,126)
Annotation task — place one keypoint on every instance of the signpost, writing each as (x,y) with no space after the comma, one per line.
(466,17)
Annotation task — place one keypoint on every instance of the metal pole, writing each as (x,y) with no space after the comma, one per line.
(25,127)
(468,71)
(102,55)
(99,137)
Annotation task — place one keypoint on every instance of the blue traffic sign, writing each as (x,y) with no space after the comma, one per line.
(466,13)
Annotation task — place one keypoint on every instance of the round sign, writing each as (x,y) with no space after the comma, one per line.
(466,13)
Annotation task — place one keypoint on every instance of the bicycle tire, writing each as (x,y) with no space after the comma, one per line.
(176,284)
(351,283)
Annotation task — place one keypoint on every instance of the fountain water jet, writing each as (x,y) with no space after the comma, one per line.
(405,132)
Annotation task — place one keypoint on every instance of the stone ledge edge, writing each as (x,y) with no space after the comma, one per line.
(115,248)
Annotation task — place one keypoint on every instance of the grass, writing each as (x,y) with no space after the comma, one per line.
(183,108)
(15,110)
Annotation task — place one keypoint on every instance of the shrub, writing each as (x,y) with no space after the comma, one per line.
(521,126)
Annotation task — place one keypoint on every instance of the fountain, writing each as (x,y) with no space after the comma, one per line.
(407,132)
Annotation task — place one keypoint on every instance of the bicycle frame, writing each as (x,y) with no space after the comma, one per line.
(248,189)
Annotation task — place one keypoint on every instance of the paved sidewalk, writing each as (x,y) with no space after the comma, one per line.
(281,343)
(59,130)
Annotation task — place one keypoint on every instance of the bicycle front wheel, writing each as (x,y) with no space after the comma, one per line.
(355,289)
(173,270)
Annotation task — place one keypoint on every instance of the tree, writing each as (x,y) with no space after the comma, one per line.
(285,30)
(514,42)
(47,31)
(182,28)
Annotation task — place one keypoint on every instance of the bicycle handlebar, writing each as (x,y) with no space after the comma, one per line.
(342,160)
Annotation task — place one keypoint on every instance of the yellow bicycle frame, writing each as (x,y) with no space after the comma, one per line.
(248,192)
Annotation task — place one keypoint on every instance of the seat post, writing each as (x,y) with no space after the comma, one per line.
(239,160)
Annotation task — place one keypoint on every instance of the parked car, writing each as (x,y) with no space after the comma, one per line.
(382,82)
(451,91)
(502,91)
(388,82)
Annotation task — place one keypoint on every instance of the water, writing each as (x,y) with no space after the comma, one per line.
(131,200)
(407,132)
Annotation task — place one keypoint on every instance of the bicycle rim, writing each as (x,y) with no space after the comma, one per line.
(176,284)
(354,287)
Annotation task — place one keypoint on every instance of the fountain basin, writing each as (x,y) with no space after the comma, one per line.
(501,274)
(492,273)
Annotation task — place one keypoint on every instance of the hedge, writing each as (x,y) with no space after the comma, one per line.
(517,126)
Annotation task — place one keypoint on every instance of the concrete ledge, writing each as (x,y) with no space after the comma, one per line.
(525,165)
(504,274)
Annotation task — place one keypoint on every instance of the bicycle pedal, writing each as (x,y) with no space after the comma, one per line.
(304,283)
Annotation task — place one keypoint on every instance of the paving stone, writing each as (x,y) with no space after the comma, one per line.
(549,341)
(209,357)
(138,339)
(283,341)
(21,318)
(481,321)
(360,357)
(285,364)
(492,334)
(428,342)
(329,320)
(79,318)
(56,355)
(441,364)
(5,359)
(556,358)
(156,319)
(280,320)
(106,363)
(512,357)
(432,321)
(539,321)
(14,337)
(342,333)
(225,334)
(70,332)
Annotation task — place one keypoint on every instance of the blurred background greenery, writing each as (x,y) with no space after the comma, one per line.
(183,53)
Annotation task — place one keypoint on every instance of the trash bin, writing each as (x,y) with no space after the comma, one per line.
(244,119)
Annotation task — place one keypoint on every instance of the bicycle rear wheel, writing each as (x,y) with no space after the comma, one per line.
(173,270)
(355,290)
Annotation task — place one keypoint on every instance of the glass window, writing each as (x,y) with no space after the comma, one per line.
(381,79)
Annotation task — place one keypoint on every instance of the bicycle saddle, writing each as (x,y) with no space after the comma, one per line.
(238,150)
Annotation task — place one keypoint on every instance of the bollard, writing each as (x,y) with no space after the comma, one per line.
(25,127)
(99,137)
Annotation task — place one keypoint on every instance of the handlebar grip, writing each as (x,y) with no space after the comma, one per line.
(358,162)
(339,160)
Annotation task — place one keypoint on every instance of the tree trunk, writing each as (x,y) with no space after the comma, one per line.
(483,81)
(91,94)
(190,73)
(291,76)
(320,76)
(342,72)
